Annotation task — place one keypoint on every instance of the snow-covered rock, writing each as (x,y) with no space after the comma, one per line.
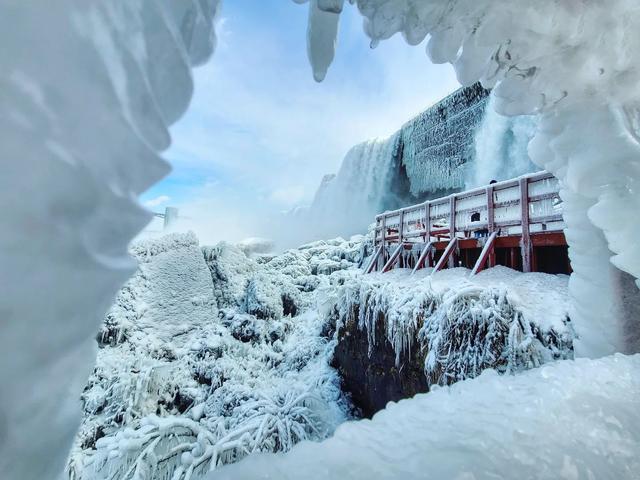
(399,334)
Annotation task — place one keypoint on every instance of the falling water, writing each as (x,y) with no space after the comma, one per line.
(501,148)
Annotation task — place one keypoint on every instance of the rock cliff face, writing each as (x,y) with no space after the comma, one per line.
(372,377)
(438,144)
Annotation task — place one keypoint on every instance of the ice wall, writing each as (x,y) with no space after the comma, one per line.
(500,147)
(87,91)
(438,143)
(575,64)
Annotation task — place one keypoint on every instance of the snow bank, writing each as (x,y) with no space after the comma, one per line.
(569,419)
(555,59)
(499,319)
(88,91)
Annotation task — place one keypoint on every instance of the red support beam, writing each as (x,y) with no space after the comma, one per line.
(392,259)
(453,243)
(425,255)
(374,260)
(487,250)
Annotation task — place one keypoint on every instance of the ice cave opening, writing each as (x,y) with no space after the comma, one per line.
(218,355)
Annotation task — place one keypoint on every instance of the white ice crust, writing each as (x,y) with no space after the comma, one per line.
(570,419)
(87,92)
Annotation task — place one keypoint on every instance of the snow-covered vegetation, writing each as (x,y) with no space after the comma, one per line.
(208,355)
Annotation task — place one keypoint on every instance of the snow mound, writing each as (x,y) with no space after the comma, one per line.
(569,419)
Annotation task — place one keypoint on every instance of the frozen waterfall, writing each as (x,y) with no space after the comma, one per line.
(361,189)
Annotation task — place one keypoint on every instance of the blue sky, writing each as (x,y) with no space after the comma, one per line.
(261,133)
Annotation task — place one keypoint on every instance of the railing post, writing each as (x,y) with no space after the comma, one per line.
(452,227)
(524,218)
(491,224)
(401,226)
(383,239)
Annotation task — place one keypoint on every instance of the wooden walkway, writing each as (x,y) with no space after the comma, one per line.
(517,223)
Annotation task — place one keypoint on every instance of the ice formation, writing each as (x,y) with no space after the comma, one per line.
(499,319)
(500,147)
(88,91)
(569,419)
(437,145)
(208,355)
(555,59)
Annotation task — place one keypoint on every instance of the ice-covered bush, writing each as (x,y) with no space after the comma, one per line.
(463,325)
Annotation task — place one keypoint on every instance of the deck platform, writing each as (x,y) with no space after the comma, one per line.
(516,223)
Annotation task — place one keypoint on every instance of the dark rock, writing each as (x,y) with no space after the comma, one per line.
(371,377)
(289,306)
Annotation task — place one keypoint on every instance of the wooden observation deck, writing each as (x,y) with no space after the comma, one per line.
(516,223)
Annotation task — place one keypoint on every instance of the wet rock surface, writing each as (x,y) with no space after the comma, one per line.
(372,377)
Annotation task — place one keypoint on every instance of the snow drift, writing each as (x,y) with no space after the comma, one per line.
(568,419)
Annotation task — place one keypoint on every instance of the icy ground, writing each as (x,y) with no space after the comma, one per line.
(202,363)
(568,420)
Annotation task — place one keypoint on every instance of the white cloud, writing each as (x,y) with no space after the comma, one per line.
(157,201)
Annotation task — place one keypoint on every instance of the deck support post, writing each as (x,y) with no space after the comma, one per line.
(374,260)
(452,227)
(526,236)
(392,259)
(491,224)
(426,254)
(485,254)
